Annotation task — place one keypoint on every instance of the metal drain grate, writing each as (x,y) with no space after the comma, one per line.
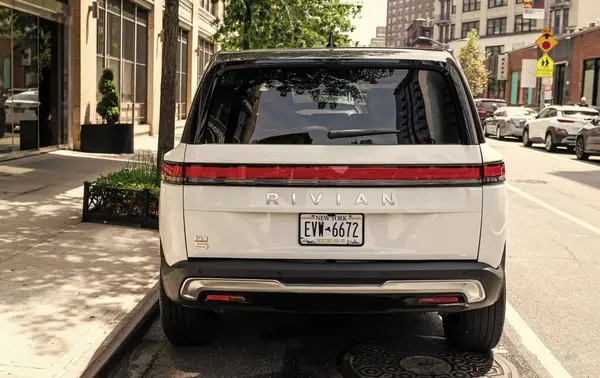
(422,357)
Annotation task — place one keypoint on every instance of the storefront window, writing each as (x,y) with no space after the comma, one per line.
(31,69)
(589,72)
(122,45)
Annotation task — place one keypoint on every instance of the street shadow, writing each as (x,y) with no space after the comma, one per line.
(41,195)
(265,345)
(591,179)
(58,296)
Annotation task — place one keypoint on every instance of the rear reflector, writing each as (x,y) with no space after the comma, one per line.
(217,174)
(566,121)
(438,300)
(226,298)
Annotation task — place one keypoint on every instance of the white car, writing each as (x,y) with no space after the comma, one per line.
(401,207)
(557,125)
(20,107)
(508,121)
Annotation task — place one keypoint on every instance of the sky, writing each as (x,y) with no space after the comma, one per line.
(372,15)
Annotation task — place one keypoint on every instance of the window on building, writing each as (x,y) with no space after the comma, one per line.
(122,45)
(492,53)
(524,25)
(181,76)
(519,2)
(208,6)
(591,77)
(452,32)
(206,49)
(556,21)
(468,26)
(497,3)
(496,26)
(471,5)
(565,21)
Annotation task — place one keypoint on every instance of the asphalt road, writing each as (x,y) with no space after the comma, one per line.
(553,276)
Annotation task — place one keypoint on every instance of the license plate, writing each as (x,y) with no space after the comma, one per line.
(331,229)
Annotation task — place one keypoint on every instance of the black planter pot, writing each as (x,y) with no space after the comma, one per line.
(108,139)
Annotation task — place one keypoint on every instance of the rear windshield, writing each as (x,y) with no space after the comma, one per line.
(580,114)
(491,105)
(305,105)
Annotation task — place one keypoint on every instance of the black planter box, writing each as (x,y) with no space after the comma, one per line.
(114,138)
(128,207)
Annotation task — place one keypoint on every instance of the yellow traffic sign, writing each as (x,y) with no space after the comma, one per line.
(545,67)
(546,41)
(547,31)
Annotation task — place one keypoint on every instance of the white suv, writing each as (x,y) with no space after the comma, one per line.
(334,180)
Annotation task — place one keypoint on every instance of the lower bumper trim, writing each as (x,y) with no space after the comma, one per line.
(472,290)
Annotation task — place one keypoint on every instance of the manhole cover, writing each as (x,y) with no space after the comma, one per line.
(421,357)
(526,181)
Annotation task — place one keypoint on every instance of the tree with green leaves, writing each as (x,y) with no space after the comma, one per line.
(472,60)
(108,107)
(262,24)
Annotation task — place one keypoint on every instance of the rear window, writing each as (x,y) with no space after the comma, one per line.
(333,106)
(491,105)
(580,114)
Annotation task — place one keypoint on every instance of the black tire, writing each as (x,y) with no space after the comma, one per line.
(499,133)
(476,330)
(580,149)
(525,138)
(185,325)
(549,142)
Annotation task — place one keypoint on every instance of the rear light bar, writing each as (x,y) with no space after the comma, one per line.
(257,174)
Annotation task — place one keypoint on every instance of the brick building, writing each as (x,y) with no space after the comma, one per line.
(400,14)
(576,71)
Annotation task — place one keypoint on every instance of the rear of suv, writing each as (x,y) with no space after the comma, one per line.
(333,181)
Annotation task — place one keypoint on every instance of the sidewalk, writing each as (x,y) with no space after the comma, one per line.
(64,285)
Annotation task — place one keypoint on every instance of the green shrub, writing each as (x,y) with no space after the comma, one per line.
(138,173)
(108,107)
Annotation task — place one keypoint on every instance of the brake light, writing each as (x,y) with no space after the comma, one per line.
(172,173)
(338,175)
(561,120)
(438,300)
(226,298)
(494,173)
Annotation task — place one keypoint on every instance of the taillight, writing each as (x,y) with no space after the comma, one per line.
(172,173)
(562,120)
(178,173)
(493,173)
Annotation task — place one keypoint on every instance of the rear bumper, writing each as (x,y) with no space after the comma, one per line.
(320,286)
(565,140)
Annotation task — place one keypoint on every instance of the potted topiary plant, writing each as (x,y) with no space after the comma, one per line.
(108,137)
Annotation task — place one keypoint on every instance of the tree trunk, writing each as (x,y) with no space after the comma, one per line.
(166,126)
(247,24)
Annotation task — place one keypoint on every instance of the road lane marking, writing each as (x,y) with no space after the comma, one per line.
(563,214)
(533,343)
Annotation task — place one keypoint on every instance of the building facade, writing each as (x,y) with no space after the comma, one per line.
(400,15)
(52,55)
(379,39)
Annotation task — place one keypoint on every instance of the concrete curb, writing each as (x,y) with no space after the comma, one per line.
(127,332)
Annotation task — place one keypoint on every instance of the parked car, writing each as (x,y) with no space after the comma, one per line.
(21,107)
(508,121)
(323,206)
(487,106)
(587,141)
(557,126)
